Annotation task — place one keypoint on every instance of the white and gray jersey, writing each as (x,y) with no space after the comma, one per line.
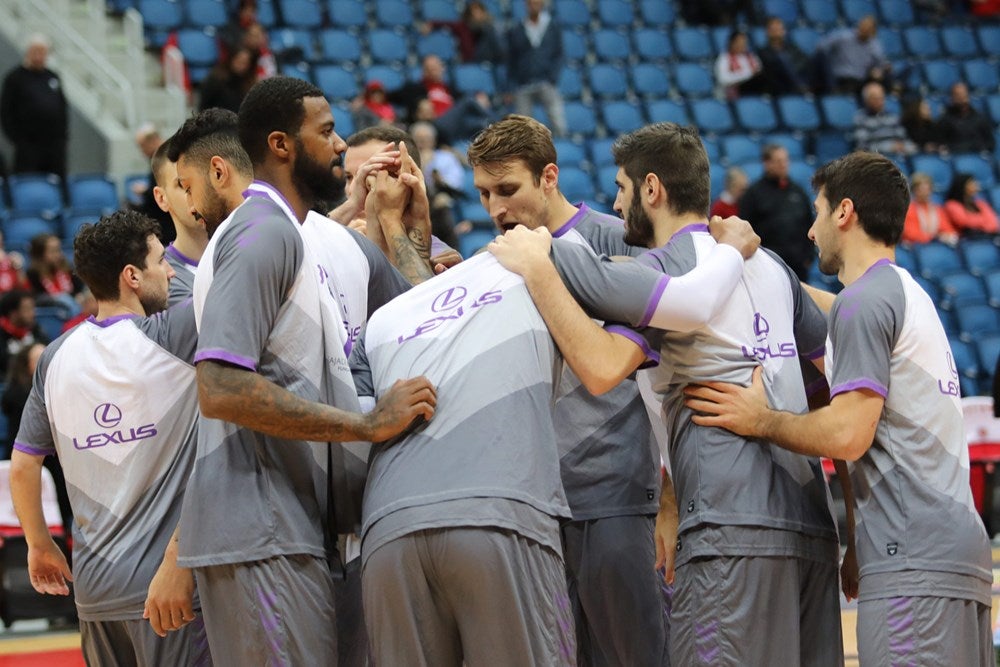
(182,284)
(260,307)
(357,274)
(739,497)
(116,400)
(608,459)
(918,532)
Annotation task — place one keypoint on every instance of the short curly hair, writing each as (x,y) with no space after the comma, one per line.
(102,250)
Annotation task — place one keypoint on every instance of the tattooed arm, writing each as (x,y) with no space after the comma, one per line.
(401,208)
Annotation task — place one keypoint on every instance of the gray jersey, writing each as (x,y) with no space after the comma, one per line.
(260,307)
(182,284)
(918,533)
(116,400)
(608,459)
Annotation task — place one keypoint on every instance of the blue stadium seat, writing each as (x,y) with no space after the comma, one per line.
(387,46)
(600,152)
(571,13)
(206,13)
(712,116)
(786,10)
(981,75)
(390,77)
(576,184)
(895,13)
(72,223)
(794,145)
(981,256)
(580,119)
(347,13)
(712,148)
(438,10)
(979,167)
(161,15)
(50,319)
(200,49)
(343,120)
(35,194)
(130,183)
(617,13)
(800,172)
(961,289)
(300,70)
(966,362)
(959,42)
(611,45)
(830,146)
(336,82)
(606,182)
(991,280)
(622,117)
(337,45)
(995,196)
(93,192)
(440,43)
(19,230)
(393,14)
(570,153)
(667,111)
(471,242)
(266,14)
(657,12)
(905,258)
(987,349)
(693,44)
(854,10)
(288,39)
(716,177)
(839,110)
(739,148)
(574,45)
(755,114)
(922,42)
(608,81)
(937,168)
(821,14)
(993,107)
(892,43)
(934,293)
(804,38)
(693,80)
(302,13)
(470,78)
(937,259)
(649,80)
(798,113)
(989,38)
(652,45)
(570,83)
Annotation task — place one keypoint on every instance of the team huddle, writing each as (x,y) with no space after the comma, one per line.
(315,444)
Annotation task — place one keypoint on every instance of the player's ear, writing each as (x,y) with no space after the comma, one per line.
(280,145)
(550,177)
(160,197)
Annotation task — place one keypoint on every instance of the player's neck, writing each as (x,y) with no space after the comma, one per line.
(861,258)
(666,225)
(190,244)
(563,211)
(281,180)
(127,305)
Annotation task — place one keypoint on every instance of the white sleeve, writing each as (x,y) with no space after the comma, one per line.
(690,301)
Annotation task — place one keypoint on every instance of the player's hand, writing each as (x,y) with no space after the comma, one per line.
(48,570)
(358,225)
(446,260)
(417,216)
(849,573)
(736,232)
(665,536)
(405,402)
(169,599)
(357,192)
(729,406)
(387,194)
(521,249)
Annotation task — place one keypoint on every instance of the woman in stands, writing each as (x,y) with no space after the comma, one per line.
(925,221)
(738,71)
(228,82)
(967,212)
(50,276)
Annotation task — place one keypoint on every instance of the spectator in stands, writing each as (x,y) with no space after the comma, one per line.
(49,274)
(780,211)
(372,107)
(925,221)
(735,185)
(853,57)
(785,66)
(467,118)
(964,129)
(18,326)
(477,38)
(148,139)
(431,86)
(11,269)
(968,213)
(985,8)
(718,12)
(17,386)
(231,36)
(255,39)
(444,175)
(876,128)
(534,62)
(88,308)
(921,127)
(34,113)
(228,82)
(738,71)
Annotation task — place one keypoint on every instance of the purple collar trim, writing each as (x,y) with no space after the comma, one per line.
(262,189)
(690,229)
(583,210)
(111,320)
(171,250)
(882,262)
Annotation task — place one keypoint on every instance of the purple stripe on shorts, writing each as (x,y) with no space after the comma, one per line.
(215,354)
(28,449)
(654,300)
(707,642)
(863,383)
(899,619)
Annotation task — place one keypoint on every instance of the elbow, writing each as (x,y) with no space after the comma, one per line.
(851,446)
(602,380)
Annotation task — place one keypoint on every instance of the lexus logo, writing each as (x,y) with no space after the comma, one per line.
(107,415)
(449,299)
(760,326)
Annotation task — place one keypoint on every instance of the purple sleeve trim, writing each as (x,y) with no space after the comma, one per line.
(215,354)
(654,300)
(652,355)
(34,451)
(816,354)
(863,383)
(816,386)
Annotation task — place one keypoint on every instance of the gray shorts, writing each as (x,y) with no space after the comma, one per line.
(925,631)
(277,611)
(134,644)
(615,592)
(485,596)
(756,611)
